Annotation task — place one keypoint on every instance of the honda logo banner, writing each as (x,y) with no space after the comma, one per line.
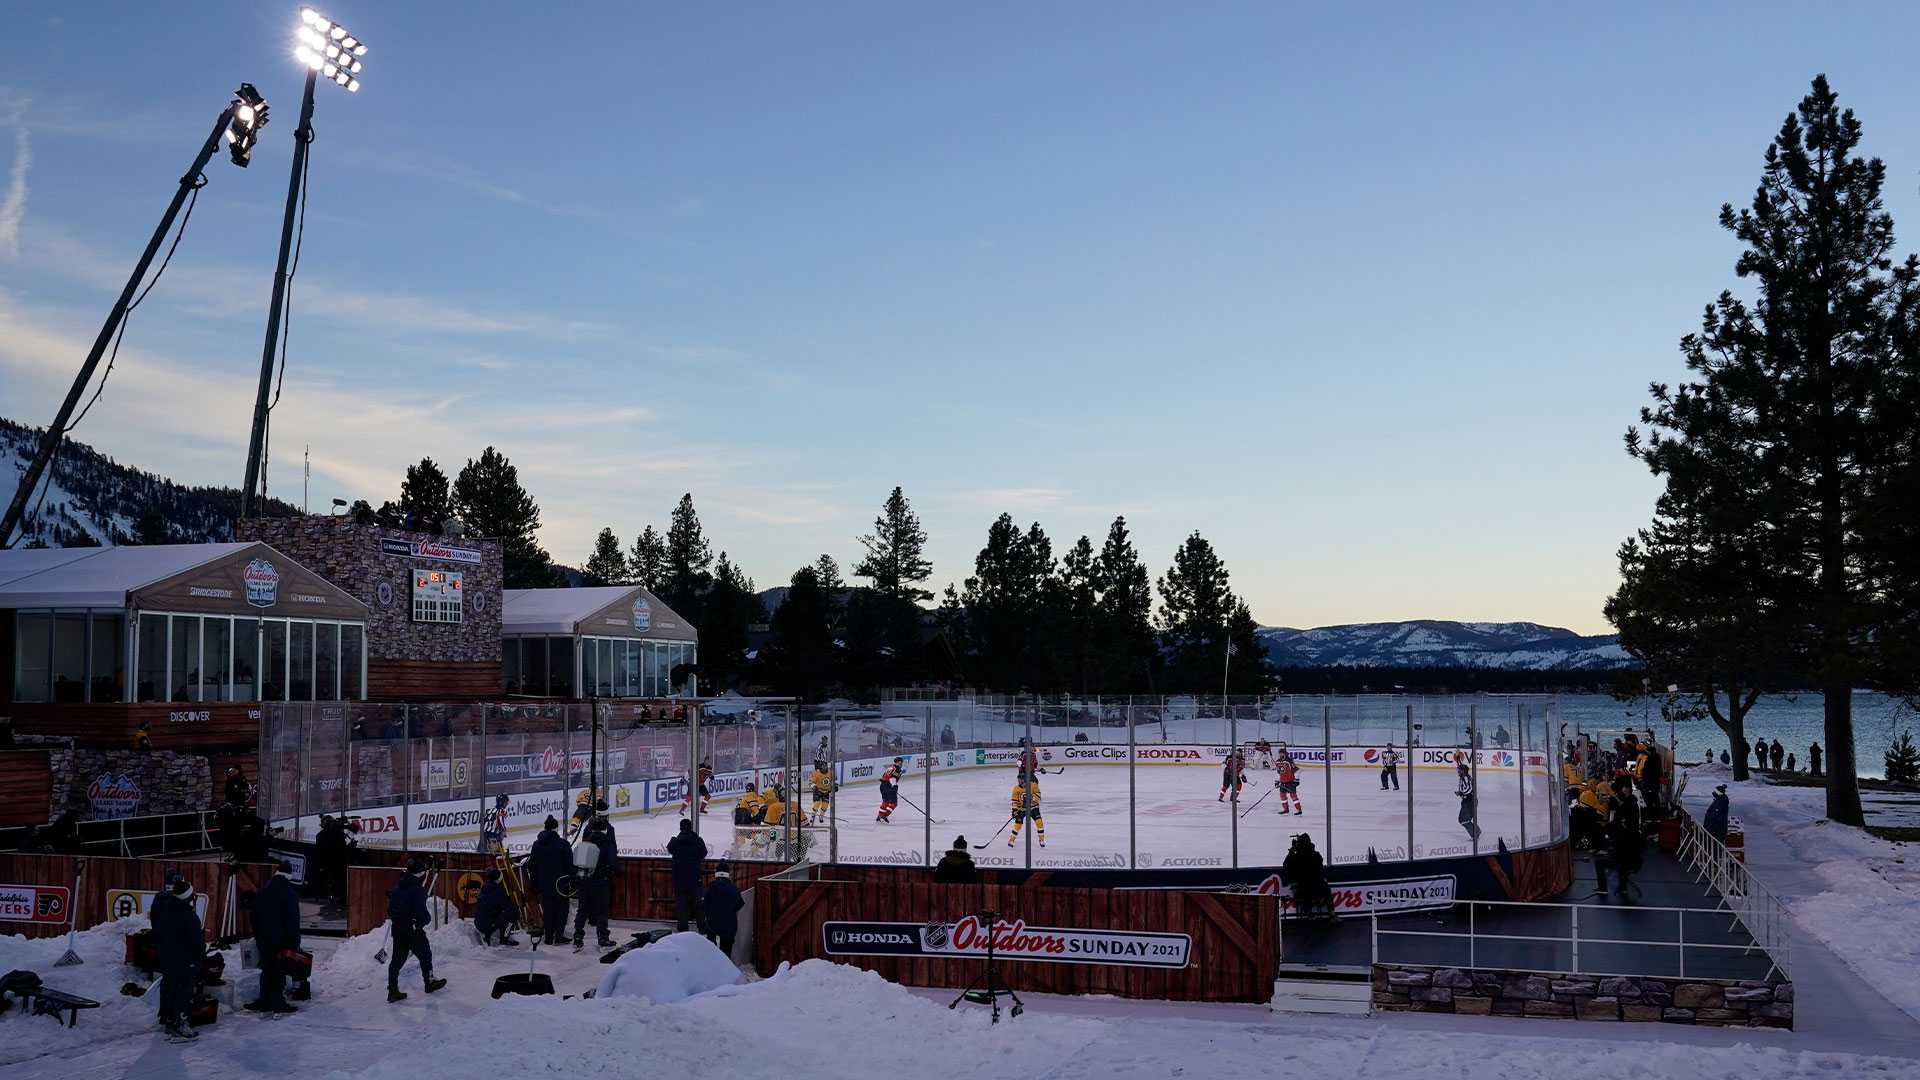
(1011,940)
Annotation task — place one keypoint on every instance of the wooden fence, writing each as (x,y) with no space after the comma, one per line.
(210,879)
(1233,956)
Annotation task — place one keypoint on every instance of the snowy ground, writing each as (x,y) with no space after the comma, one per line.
(1180,820)
(1854,893)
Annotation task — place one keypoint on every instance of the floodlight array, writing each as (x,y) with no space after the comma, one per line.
(326,47)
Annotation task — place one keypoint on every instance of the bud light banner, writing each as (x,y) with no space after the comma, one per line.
(1011,940)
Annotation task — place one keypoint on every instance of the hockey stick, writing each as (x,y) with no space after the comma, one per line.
(996,833)
(923,813)
(1257,802)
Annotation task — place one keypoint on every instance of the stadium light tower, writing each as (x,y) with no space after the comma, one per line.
(329,51)
(240,125)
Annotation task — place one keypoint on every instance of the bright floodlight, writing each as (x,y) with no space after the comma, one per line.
(243,127)
(326,47)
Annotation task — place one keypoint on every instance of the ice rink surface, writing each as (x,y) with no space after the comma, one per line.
(1181,819)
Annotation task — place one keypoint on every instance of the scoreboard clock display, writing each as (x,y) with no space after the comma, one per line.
(436,596)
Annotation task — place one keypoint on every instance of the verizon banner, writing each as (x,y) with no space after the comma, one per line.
(1011,941)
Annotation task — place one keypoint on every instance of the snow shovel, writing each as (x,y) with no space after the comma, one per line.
(530,984)
(71,958)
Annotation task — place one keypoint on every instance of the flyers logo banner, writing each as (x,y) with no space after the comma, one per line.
(1012,940)
(33,903)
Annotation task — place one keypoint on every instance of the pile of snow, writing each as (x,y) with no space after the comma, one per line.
(673,969)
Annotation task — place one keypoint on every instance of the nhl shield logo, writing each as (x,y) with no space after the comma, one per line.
(262,582)
(935,936)
(642,614)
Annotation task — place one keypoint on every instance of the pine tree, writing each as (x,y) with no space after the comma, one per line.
(1196,606)
(361,512)
(688,556)
(1079,613)
(647,562)
(151,528)
(1902,760)
(1126,645)
(1803,386)
(426,498)
(1004,601)
(729,610)
(799,657)
(606,566)
(895,560)
(488,497)
(826,572)
(1247,673)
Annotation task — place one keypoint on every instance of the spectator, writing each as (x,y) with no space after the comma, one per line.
(1760,753)
(276,927)
(330,858)
(1649,776)
(181,942)
(551,862)
(596,890)
(1624,845)
(493,912)
(1777,752)
(1724,759)
(956,866)
(721,908)
(947,740)
(1716,819)
(408,920)
(688,852)
(1792,765)
(238,792)
(1306,873)
(1813,759)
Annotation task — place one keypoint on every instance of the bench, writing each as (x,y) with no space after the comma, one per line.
(45,1002)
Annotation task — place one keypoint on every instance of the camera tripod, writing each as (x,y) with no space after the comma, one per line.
(987,988)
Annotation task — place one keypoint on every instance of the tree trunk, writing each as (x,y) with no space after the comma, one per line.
(1843,779)
(1734,724)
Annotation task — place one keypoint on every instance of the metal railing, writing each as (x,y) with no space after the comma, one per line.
(1573,939)
(1742,895)
(135,837)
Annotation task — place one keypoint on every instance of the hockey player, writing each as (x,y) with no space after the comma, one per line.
(774,806)
(705,777)
(1262,754)
(493,830)
(1287,782)
(1026,807)
(823,789)
(1233,775)
(1389,767)
(752,808)
(1469,801)
(890,790)
(1029,758)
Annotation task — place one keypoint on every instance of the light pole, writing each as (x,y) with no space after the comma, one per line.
(240,124)
(330,52)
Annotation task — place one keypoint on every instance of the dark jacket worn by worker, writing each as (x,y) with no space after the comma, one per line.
(407,903)
(956,868)
(276,915)
(722,906)
(492,911)
(550,860)
(602,838)
(688,852)
(177,934)
(1716,820)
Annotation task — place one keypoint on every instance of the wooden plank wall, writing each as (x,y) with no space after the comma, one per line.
(439,680)
(1234,957)
(111,727)
(28,784)
(102,874)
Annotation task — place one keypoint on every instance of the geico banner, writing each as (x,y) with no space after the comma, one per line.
(1360,897)
(1011,941)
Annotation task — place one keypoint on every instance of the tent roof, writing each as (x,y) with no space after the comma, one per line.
(96,577)
(564,611)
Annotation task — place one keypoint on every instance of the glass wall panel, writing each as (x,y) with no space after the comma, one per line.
(603,683)
(589,663)
(533,658)
(352,650)
(510,665)
(629,668)
(300,656)
(109,659)
(560,667)
(246,659)
(184,671)
(326,662)
(34,646)
(152,674)
(70,656)
(217,646)
(273,669)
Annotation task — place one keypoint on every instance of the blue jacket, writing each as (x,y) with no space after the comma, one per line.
(1716,822)
(177,934)
(722,906)
(276,915)
(407,903)
(492,911)
(688,852)
(549,861)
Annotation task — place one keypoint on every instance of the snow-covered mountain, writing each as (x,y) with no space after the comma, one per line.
(1443,643)
(93,499)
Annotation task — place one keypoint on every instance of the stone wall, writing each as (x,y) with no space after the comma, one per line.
(106,784)
(353,558)
(1484,992)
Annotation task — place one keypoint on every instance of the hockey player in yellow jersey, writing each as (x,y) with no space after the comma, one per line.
(752,807)
(823,789)
(1026,807)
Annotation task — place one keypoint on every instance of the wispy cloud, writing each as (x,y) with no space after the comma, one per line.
(13,207)
(1012,499)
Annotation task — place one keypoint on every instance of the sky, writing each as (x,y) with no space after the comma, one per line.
(1365,294)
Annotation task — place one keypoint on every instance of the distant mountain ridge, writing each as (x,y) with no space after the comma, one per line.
(1515,646)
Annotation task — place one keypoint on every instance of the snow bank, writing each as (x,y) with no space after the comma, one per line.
(670,970)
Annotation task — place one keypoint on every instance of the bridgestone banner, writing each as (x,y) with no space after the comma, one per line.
(1011,941)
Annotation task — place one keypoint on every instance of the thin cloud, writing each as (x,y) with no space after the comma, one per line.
(13,208)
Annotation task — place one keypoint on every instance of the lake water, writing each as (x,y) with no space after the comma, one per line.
(1796,718)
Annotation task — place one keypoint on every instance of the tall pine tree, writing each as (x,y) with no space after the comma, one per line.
(1196,607)
(488,497)
(688,557)
(647,562)
(426,497)
(799,657)
(1803,384)
(1128,650)
(896,552)
(730,608)
(606,565)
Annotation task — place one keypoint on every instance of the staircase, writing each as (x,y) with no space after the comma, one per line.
(1323,996)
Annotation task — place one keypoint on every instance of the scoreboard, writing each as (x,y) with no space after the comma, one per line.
(436,596)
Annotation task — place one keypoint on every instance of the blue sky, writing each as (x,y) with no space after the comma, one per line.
(1364,293)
